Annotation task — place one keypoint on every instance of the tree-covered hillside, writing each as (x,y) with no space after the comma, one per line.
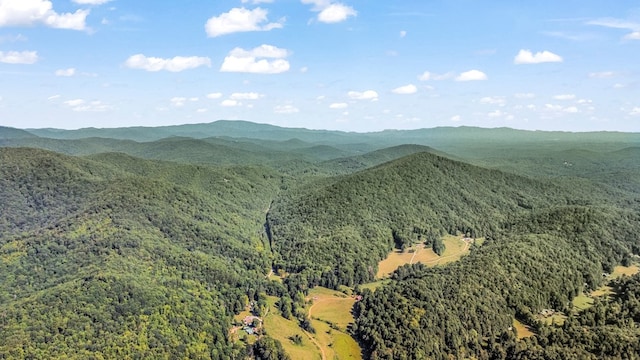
(118,257)
(144,242)
(336,231)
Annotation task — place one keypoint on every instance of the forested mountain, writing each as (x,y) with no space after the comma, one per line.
(144,242)
(121,257)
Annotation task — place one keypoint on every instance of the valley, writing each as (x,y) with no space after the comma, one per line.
(432,243)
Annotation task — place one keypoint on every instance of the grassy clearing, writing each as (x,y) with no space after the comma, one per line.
(330,312)
(522,330)
(619,271)
(455,248)
(282,329)
(602,291)
(374,285)
(582,302)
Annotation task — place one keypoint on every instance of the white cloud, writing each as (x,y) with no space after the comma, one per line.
(405,90)
(525,96)
(527,57)
(54,97)
(570,109)
(230,103)
(81,105)
(602,75)
(493,100)
(403,33)
(426,76)
(246,96)
(614,23)
(178,101)
(365,95)
(257,1)
(19,57)
(66,72)
(456,118)
(304,69)
(201,110)
(565,97)
(496,113)
(633,36)
(255,60)
(214,96)
(262,51)
(34,12)
(176,64)
(91,2)
(331,12)
(635,111)
(472,75)
(338,106)
(285,109)
(240,20)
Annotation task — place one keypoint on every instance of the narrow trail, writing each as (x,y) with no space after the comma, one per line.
(418,248)
(317,344)
(309,315)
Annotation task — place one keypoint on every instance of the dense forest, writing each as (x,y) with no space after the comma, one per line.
(145,242)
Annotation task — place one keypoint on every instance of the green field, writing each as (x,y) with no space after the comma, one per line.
(330,312)
(522,330)
(282,329)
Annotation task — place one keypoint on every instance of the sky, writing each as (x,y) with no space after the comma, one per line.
(351,65)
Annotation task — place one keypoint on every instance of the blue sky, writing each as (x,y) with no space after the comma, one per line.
(355,65)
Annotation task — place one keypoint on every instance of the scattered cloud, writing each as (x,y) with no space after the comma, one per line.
(565,97)
(614,23)
(456,118)
(256,60)
(338,106)
(635,111)
(246,96)
(19,57)
(257,1)
(527,57)
(405,90)
(285,109)
(39,12)
(525,96)
(365,95)
(230,103)
(214,96)
(403,33)
(570,109)
(240,20)
(176,64)
(602,75)
(178,101)
(304,69)
(493,100)
(496,114)
(471,75)
(426,76)
(66,72)
(201,110)
(81,105)
(331,12)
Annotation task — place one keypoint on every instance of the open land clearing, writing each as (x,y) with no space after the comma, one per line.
(455,248)
(330,314)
